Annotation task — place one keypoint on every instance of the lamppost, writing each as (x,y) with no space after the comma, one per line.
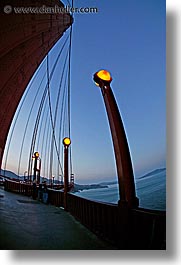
(66,143)
(25,175)
(53,177)
(127,194)
(36,168)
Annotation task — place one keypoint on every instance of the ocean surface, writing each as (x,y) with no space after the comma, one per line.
(151,191)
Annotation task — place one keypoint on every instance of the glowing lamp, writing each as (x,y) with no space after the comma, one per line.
(66,141)
(102,77)
(36,154)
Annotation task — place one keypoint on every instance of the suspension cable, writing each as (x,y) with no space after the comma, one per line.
(18,113)
(46,148)
(51,115)
(41,126)
(40,110)
(62,111)
(68,2)
(26,127)
(35,132)
(56,111)
(69,95)
(40,120)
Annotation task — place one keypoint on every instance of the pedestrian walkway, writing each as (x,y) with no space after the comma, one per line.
(29,224)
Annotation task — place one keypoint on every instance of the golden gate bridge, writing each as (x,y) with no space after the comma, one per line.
(26,50)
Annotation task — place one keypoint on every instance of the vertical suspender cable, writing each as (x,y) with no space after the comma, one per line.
(56,111)
(26,127)
(69,96)
(40,109)
(51,115)
(61,127)
(17,115)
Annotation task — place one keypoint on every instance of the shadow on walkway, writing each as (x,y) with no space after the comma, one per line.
(28,224)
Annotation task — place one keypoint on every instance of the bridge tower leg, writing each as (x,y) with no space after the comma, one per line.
(122,155)
(25,41)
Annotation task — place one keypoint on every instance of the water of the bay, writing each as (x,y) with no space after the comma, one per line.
(151,191)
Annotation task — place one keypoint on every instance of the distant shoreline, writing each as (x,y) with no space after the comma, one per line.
(154,172)
(81,187)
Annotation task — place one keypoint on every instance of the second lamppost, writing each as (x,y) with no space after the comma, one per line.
(66,143)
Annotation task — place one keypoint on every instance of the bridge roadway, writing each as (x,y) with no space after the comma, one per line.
(28,224)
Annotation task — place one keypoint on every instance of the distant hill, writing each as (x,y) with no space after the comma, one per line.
(79,187)
(154,172)
(109,182)
(12,175)
(9,174)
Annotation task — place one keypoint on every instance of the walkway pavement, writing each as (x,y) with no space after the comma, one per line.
(29,224)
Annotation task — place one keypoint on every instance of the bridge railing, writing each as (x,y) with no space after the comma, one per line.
(56,197)
(126,228)
(101,218)
(18,187)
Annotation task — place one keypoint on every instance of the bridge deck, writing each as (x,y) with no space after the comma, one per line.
(29,224)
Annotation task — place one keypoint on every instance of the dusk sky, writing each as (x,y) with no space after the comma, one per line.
(126,37)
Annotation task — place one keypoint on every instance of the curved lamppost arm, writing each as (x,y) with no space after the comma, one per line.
(121,149)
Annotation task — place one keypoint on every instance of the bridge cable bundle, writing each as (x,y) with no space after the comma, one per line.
(42,118)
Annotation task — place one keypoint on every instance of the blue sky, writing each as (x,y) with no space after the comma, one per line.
(126,37)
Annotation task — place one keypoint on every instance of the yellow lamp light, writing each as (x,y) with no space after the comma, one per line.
(36,154)
(102,77)
(66,141)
